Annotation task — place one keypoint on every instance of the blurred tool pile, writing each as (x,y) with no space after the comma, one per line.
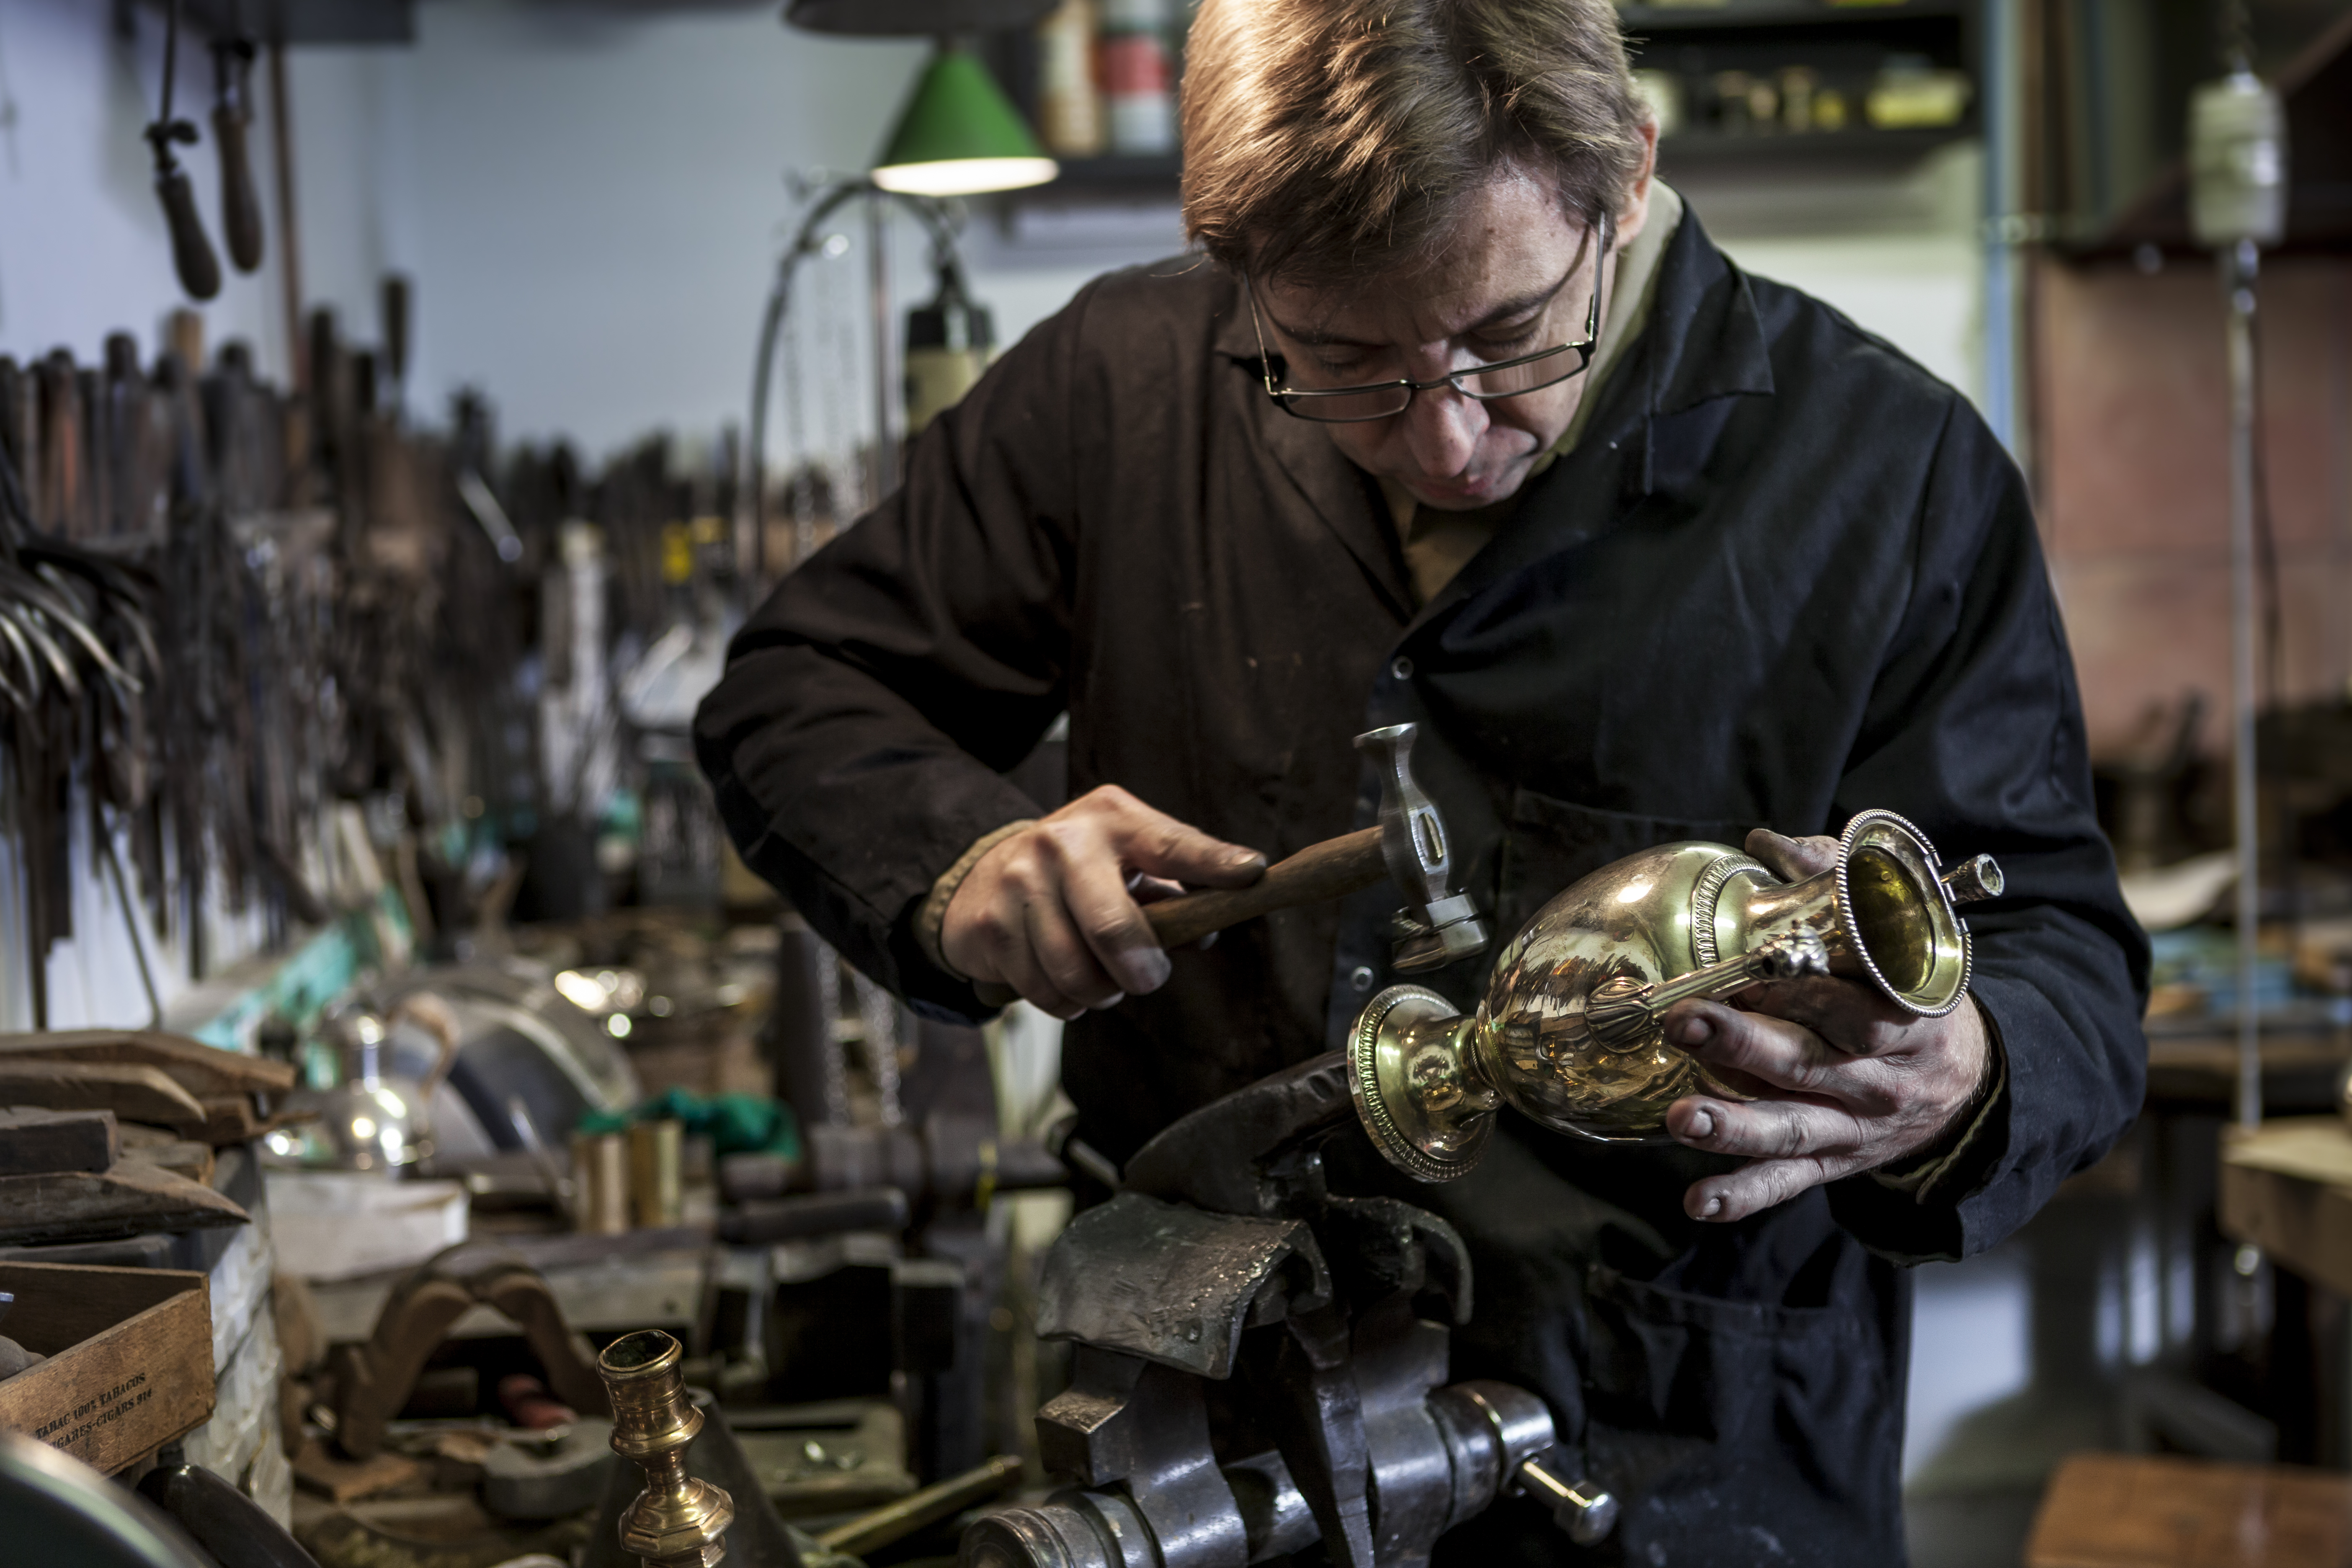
(264,653)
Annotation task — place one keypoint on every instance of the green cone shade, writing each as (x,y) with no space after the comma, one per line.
(959,136)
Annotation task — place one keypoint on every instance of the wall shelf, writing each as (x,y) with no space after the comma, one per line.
(1846,43)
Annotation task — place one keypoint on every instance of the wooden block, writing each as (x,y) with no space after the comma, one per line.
(2133,1511)
(130,1358)
(86,1205)
(33,1140)
(301,1334)
(181,1156)
(199,1069)
(236,1119)
(329,1474)
(132,1093)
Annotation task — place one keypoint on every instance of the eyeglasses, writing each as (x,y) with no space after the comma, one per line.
(1385,399)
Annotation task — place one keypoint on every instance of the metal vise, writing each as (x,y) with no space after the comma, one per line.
(1261,1364)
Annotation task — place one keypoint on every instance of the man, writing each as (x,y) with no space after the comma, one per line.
(1462,420)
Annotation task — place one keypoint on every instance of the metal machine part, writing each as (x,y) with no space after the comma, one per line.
(1261,1363)
(1570,1030)
(548,1474)
(520,1042)
(373,1381)
(1441,925)
(58,1509)
(678,1521)
(234,1528)
(950,1161)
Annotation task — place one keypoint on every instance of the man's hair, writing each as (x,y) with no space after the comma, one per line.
(1328,139)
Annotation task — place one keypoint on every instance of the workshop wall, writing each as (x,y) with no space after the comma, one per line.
(2133,420)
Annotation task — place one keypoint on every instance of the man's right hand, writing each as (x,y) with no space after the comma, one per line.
(1056,910)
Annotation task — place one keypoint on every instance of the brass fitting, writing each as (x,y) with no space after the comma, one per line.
(677,1521)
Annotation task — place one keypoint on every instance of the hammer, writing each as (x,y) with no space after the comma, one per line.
(1437,925)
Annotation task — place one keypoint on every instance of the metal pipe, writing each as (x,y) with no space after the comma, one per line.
(2240,266)
(290,233)
(878,262)
(895,1521)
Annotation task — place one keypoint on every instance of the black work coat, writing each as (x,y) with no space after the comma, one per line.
(1786,575)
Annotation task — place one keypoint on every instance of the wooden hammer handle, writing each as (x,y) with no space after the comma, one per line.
(1331,869)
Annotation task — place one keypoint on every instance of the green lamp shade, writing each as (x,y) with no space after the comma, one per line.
(959,136)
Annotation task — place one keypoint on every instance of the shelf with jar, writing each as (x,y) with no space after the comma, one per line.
(1745,83)
(1098,81)
(1773,81)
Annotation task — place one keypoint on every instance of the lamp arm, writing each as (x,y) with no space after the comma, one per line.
(933,214)
(771,324)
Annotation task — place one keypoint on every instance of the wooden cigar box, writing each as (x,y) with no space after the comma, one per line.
(130,1358)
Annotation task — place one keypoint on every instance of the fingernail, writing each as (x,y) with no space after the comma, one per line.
(1694,1029)
(1702,1124)
(1709,1209)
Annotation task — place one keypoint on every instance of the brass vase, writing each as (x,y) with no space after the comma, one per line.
(1569,1033)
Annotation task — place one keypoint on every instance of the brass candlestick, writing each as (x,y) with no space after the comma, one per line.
(677,1521)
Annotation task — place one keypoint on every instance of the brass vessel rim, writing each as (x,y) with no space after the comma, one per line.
(1937,895)
(667,1352)
(1372,1099)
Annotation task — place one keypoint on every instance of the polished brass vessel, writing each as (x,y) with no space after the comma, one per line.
(677,1521)
(1569,1032)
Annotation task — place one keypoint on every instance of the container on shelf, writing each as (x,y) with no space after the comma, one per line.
(1139,76)
(1070,117)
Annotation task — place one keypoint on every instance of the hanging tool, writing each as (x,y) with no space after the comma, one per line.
(232,57)
(395,301)
(192,251)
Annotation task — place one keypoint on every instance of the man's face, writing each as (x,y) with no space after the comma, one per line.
(1517,277)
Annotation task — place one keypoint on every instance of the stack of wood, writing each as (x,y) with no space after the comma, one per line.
(110,1132)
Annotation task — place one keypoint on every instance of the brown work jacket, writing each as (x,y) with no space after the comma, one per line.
(1785,575)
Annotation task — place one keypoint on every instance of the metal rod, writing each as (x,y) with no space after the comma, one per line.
(129,917)
(290,233)
(895,1521)
(877,260)
(2240,265)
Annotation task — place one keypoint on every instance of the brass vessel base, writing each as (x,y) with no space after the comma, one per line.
(1415,1092)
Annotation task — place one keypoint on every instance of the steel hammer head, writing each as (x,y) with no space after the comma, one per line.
(1440,924)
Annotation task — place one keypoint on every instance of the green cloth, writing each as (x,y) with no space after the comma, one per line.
(735,1123)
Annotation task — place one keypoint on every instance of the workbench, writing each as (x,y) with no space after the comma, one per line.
(2286,1187)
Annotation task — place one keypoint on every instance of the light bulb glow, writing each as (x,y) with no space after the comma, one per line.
(965,176)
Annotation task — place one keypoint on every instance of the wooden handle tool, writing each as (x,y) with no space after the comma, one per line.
(1331,869)
(1438,925)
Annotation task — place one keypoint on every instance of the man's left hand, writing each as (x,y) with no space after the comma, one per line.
(1845,1079)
